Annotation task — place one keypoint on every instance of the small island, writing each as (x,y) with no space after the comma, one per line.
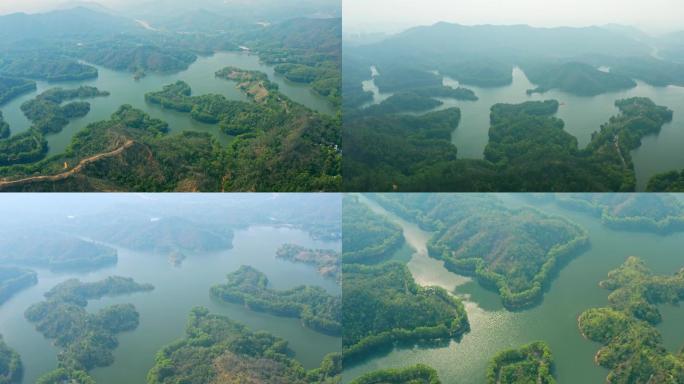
(326,261)
(316,308)
(11,369)
(532,363)
(216,349)
(632,347)
(86,340)
(576,78)
(13,280)
(382,306)
(417,374)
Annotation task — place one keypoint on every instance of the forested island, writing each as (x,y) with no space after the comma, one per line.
(216,349)
(672,181)
(11,369)
(417,374)
(13,280)
(47,249)
(632,348)
(316,308)
(574,77)
(528,150)
(658,213)
(368,237)
(11,87)
(47,115)
(515,252)
(532,363)
(86,340)
(383,306)
(326,261)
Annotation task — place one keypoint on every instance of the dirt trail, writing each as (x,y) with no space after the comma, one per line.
(61,176)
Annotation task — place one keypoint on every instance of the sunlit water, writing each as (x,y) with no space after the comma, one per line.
(125,89)
(582,116)
(164,311)
(555,320)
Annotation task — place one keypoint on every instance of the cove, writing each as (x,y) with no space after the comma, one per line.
(582,116)
(554,321)
(125,90)
(164,311)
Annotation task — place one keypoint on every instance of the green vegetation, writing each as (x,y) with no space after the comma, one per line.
(55,251)
(393,78)
(515,252)
(4,127)
(405,101)
(417,374)
(218,350)
(47,116)
(531,363)
(44,64)
(11,87)
(304,50)
(132,56)
(11,370)
(86,340)
(633,349)
(316,308)
(576,78)
(528,150)
(368,237)
(383,306)
(659,213)
(326,261)
(13,280)
(672,181)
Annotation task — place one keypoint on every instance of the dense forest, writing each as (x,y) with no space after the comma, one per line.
(659,213)
(326,261)
(383,306)
(86,340)
(632,347)
(54,250)
(13,280)
(528,150)
(417,374)
(11,369)
(532,363)
(577,78)
(515,252)
(368,237)
(672,181)
(316,308)
(11,87)
(216,349)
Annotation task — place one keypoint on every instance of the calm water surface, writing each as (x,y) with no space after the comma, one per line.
(164,311)
(582,116)
(125,90)
(554,320)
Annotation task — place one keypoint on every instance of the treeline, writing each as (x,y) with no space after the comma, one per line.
(217,349)
(574,77)
(472,235)
(13,280)
(11,87)
(316,308)
(11,368)
(532,363)
(368,237)
(417,374)
(632,347)
(383,306)
(86,340)
(528,150)
(44,64)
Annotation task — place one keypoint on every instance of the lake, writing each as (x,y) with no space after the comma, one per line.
(555,320)
(582,116)
(125,90)
(164,311)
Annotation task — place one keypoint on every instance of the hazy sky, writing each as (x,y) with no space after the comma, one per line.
(655,16)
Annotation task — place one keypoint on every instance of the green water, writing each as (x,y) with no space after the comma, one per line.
(125,89)
(554,320)
(582,116)
(164,311)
